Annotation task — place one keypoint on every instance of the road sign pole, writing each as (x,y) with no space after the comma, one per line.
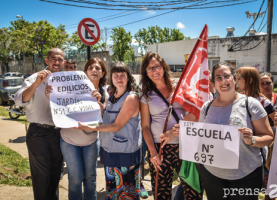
(268,38)
(89,52)
(89,33)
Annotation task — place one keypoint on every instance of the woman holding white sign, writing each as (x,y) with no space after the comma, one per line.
(157,88)
(231,108)
(81,148)
(120,137)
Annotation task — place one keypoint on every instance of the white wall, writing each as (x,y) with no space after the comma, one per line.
(173,52)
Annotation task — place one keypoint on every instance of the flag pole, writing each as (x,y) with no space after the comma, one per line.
(189,60)
(160,153)
(170,108)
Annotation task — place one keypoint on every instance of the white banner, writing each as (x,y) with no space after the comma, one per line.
(210,144)
(272,178)
(71,99)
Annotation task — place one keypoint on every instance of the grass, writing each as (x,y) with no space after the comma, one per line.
(14,169)
(5,113)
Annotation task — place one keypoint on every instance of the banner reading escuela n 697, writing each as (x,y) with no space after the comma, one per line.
(71,99)
(209,144)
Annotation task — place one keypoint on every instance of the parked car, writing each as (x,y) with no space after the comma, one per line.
(27,75)
(17,74)
(9,85)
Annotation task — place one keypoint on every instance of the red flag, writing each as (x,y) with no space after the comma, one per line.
(193,89)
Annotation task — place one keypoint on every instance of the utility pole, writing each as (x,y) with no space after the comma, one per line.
(268,38)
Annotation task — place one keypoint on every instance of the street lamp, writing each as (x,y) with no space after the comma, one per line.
(19,16)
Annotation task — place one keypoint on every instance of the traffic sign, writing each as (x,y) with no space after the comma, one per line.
(89,31)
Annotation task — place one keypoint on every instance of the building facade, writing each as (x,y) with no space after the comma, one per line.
(176,52)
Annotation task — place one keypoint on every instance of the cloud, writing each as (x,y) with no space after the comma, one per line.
(180,25)
(149,12)
(134,41)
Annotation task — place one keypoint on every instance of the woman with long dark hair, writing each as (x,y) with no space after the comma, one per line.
(120,137)
(157,87)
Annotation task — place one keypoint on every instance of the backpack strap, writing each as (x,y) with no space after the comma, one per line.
(103,94)
(262,102)
(173,111)
(208,107)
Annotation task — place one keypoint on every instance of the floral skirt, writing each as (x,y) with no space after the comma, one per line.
(122,183)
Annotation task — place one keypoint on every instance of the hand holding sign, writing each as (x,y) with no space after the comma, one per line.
(42,76)
(48,90)
(72,99)
(247,135)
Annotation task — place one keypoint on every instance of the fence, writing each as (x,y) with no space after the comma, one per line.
(134,66)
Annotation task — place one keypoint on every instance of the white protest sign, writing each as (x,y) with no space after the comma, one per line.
(71,99)
(272,177)
(209,144)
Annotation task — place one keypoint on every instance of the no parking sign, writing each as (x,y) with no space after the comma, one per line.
(89,31)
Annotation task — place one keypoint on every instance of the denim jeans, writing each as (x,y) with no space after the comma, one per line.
(81,164)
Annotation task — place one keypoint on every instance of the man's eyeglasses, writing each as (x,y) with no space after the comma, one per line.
(266,83)
(150,69)
(225,77)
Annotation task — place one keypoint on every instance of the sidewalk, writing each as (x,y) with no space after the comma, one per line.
(13,136)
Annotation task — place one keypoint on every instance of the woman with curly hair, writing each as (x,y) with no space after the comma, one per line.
(157,87)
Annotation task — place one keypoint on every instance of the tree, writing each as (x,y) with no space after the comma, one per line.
(42,36)
(155,34)
(9,47)
(74,41)
(122,44)
(20,29)
(105,35)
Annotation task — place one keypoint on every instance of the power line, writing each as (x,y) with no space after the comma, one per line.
(258,31)
(232,49)
(110,18)
(159,8)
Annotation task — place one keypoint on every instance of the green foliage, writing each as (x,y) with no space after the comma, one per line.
(122,44)
(155,34)
(9,46)
(14,169)
(74,41)
(5,113)
(42,36)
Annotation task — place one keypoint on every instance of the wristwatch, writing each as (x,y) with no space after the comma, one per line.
(253,141)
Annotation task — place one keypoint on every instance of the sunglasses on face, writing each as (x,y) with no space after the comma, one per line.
(150,69)
(266,83)
(225,77)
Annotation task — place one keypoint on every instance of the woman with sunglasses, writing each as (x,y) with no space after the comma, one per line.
(120,137)
(157,87)
(230,109)
(266,87)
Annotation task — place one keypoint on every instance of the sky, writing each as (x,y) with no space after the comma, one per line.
(189,22)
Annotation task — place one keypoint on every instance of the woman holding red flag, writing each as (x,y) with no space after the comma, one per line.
(157,91)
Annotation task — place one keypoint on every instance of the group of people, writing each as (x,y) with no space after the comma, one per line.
(244,99)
